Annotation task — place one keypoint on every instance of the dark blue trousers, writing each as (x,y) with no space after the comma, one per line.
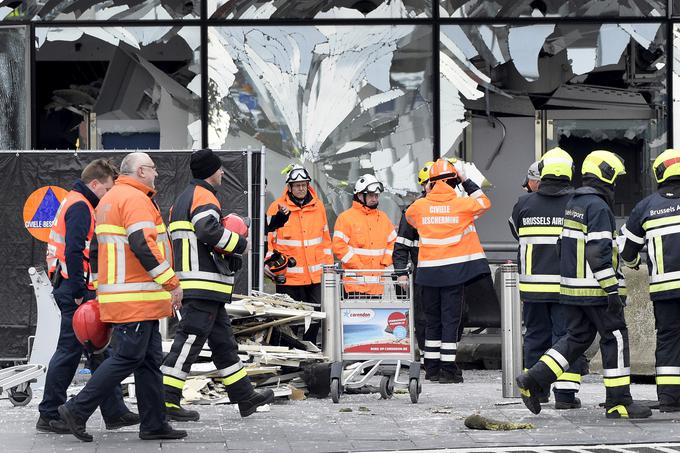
(64,364)
(545,324)
(137,349)
(443,308)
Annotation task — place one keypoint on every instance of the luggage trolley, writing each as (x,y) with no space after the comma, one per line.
(375,331)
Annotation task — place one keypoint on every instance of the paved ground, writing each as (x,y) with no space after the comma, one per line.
(314,425)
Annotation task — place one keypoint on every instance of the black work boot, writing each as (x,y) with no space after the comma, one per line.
(75,424)
(166,432)
(127,419)
(675,407)
(55,425)
(179,414)
(249,405)
(632,410)
(432,376)
(574,404)
(530,391)
(446,377)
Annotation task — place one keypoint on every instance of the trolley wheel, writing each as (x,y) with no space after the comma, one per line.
(386,387)
(335,390)
(20,397)
(414,389)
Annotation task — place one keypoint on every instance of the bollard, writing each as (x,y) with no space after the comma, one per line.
(163,327)
(511,327)
(328,305)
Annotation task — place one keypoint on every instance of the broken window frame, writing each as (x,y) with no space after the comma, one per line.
(553,10)
(259,10)
(98,11)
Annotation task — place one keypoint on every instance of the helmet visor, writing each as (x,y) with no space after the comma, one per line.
(374,187)
(298,174)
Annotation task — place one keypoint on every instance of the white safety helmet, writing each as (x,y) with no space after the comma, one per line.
(368,184)
(297,173)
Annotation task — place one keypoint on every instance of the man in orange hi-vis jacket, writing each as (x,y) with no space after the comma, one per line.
(136,288)
(364,238)
(299,230)
(449,255)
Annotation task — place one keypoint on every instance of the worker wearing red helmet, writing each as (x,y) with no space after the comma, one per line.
(298,230)
(449,255)
(199,240)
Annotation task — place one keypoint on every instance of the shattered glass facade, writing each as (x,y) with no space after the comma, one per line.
(319,9)
(119,89)
(13,88)
(345,101)
(100,10)
(552,9)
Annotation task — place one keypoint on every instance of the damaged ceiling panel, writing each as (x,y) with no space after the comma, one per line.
(111,10)
(150,83)
(343,100)
(318,9)
(552,8)
(13,88)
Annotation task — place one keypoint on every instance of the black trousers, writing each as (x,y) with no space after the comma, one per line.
(667,318)
(583,323)
(305,293)
(545,324)
(443,308)
(137,349)
(204,320)
(64,364)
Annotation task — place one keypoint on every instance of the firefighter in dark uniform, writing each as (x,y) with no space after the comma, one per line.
(591,287)
(405,247)
(196,231)
(536,222)
(656,222)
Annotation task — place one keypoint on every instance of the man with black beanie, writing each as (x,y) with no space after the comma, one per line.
(197,236)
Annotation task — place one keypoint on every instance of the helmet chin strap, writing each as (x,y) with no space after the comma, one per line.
(363,201)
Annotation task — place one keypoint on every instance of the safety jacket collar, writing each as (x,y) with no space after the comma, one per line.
(296,207)
(600,188)
(80,187)
(363,209)
(670,189)
(555,187)
(204,184)
(129,181)
(442,192)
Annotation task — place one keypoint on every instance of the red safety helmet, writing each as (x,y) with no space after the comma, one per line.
(88,327)
(442,169)
(236,223)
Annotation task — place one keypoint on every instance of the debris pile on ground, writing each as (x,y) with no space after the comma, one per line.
(269,329)
(476,421)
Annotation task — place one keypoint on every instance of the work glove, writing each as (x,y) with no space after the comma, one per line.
(235,263)
(614,304)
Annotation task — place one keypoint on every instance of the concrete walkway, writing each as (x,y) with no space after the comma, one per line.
(314,425)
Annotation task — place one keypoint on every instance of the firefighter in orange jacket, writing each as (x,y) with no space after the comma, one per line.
(299,230)
(364,238)
(449,255)
(136,288)
(68,265)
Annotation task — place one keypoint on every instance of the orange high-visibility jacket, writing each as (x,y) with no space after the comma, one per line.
(56,244)
(135,274)
(363,238)
(305,237)
(449,249)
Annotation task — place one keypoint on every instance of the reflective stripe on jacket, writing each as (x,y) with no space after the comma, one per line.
(536,222)
(134,255)
(655,221)
(195,229)
(56,245)
(589,262)
(304,236)
(363,238)
(449,249)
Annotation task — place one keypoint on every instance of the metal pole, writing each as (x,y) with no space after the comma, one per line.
(263,219)
(511,327)
(328,283)
(249,189)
